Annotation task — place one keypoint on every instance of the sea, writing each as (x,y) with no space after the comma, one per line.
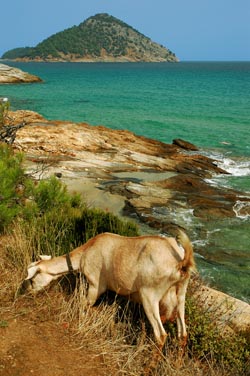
(205,103)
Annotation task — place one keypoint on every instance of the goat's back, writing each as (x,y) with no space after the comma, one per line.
(127,263)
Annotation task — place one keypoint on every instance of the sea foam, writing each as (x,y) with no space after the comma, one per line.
(236,168)
(242,209)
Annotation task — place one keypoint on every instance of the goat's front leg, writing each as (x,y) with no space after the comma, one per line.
(95,287)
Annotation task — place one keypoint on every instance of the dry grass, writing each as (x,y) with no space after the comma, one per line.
(103,335)
(123,344)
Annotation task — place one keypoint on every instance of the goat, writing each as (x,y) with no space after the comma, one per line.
(41,273)
(151,270)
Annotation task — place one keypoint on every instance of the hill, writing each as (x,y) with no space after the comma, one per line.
(99,38)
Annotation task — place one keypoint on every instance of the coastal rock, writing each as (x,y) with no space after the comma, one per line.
(185,144)
(151,181)
(102,153)
(30,117)
(230,313)
(10,75)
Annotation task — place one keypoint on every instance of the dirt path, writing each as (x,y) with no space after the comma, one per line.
(33,341)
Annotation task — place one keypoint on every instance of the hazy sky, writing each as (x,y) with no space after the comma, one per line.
(193,29)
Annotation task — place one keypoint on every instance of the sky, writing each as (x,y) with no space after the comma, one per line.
(202,30)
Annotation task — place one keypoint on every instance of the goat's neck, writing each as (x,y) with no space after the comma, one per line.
(58,265)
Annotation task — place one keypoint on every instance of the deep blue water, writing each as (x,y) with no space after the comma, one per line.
(207,104)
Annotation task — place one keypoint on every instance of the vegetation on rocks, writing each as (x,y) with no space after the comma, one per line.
(100,37)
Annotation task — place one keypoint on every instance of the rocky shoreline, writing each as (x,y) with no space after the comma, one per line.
(131,175)
(146,172)
(10,75)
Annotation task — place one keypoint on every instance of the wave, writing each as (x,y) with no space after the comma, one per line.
(235,168)
(242,209)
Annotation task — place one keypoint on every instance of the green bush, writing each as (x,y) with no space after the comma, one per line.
(207,341)
(12,185)
(53,220)
(52,194)
(60,230)
(95,221)
(21,197)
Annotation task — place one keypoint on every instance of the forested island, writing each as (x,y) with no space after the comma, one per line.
(99,38)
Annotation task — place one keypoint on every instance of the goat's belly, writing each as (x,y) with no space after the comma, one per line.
(120,289)
(135,297)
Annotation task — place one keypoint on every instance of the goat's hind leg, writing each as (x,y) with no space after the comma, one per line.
(181,326)
(151,308)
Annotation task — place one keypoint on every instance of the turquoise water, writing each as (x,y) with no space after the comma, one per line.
(207,104)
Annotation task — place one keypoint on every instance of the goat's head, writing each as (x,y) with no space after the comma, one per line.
(38,276)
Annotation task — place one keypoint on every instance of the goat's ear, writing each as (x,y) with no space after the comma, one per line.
(32,271)
(45,257)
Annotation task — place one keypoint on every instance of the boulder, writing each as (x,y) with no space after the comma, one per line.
(10,75)
(184,144)
(229,313)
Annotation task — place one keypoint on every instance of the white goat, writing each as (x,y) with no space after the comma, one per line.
(151,270)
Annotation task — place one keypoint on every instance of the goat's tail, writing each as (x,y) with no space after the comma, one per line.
(188,263)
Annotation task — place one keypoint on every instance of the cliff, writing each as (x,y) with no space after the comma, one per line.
(99,38)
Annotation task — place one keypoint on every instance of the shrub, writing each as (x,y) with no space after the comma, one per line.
(53,220)
(21,197)
(12,185)
(60,230)
(207,341)
(51,194)
(95,221)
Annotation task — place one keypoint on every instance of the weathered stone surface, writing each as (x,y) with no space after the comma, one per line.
(185,144)
(10,75)
(102,152)
(77,147)
(230,313)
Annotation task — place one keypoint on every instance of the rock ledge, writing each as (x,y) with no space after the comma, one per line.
(10,75)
